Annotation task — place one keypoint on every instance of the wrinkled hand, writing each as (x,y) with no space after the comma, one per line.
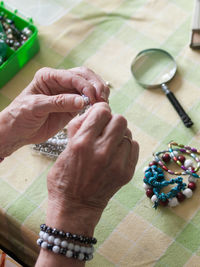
(50,101)
(97,162)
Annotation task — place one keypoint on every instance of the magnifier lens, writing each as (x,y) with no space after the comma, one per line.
(153,67)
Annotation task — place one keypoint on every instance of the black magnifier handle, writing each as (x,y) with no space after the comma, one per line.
(181,112)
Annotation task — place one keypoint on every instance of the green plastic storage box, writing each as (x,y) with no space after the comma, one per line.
(17,59)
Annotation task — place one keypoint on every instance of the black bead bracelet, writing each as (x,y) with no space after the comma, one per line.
(70,236)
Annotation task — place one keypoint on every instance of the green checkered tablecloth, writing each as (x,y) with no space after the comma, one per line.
(105,36)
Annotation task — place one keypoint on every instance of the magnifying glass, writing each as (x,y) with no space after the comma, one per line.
(153,68)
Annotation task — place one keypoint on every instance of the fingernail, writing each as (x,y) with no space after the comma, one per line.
(103,96)
(78,102)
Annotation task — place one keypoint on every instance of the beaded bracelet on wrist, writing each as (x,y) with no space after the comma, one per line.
(67,235)
(154,180)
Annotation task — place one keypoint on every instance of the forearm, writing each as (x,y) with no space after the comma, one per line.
(8,137)
(74,220)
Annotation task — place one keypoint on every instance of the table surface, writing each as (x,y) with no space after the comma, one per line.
(105,36)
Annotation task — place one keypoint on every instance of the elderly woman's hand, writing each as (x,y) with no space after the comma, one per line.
(97,162)
(51,100)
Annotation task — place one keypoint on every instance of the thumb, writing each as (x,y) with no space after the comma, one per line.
(61,103)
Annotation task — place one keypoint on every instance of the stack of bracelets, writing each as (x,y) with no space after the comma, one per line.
(154,180)
(67,244)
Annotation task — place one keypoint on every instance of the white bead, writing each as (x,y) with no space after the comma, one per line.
(64,244)
(70,246)
(176,153)
(69,254)
(53,141)
(45,236)
(65,142)
(90,257)
(57,241)
(187,192)
(173,202)
(39,241)
(92,248)
(51,239)
(188,163)
(41,234)
(145,168)
(146,186)
(154,198)
(44,245)
(56,249)
(81,256)
(83,249)
(77,248)
(88,250)
(192,179)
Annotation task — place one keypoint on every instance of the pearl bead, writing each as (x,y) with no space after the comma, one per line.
(57,241)
(188,163)
(154,198)
(88,250)
(77,248)
(41,234)
(81,256)
(146,186)
(56,249)
(188,192)
(70,246)
(69,254)
(64,244)
(39,241)
(83,249)
(192,179)
(173,202)
(51,239)
(45,236)
(145,168)
(44,245)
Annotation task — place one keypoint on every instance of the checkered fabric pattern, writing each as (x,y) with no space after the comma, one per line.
(105,36)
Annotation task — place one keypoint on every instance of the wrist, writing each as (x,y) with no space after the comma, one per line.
(75,218)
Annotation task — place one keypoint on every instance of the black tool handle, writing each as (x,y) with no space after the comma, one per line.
(181,112)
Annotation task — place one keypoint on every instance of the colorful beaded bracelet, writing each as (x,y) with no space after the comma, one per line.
(154,180)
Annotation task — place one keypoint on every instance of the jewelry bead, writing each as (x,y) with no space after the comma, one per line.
(149,192)
(153,163)
(57,241)
(192,179)
(180,196)
(83,249)
(90,257)
(192,186)
(45,236)
(64,244)
(166,157)
(76,248)
(146,186)
(176,153)
(164,203)
(41,234)
(70,246)
(188,163)
(154,198)
(173,202)
(39,241)
(81,256)
(69,254)
(187,192)
(56,249)
(51,239)
(44,245)
(145,169)
(88,250)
